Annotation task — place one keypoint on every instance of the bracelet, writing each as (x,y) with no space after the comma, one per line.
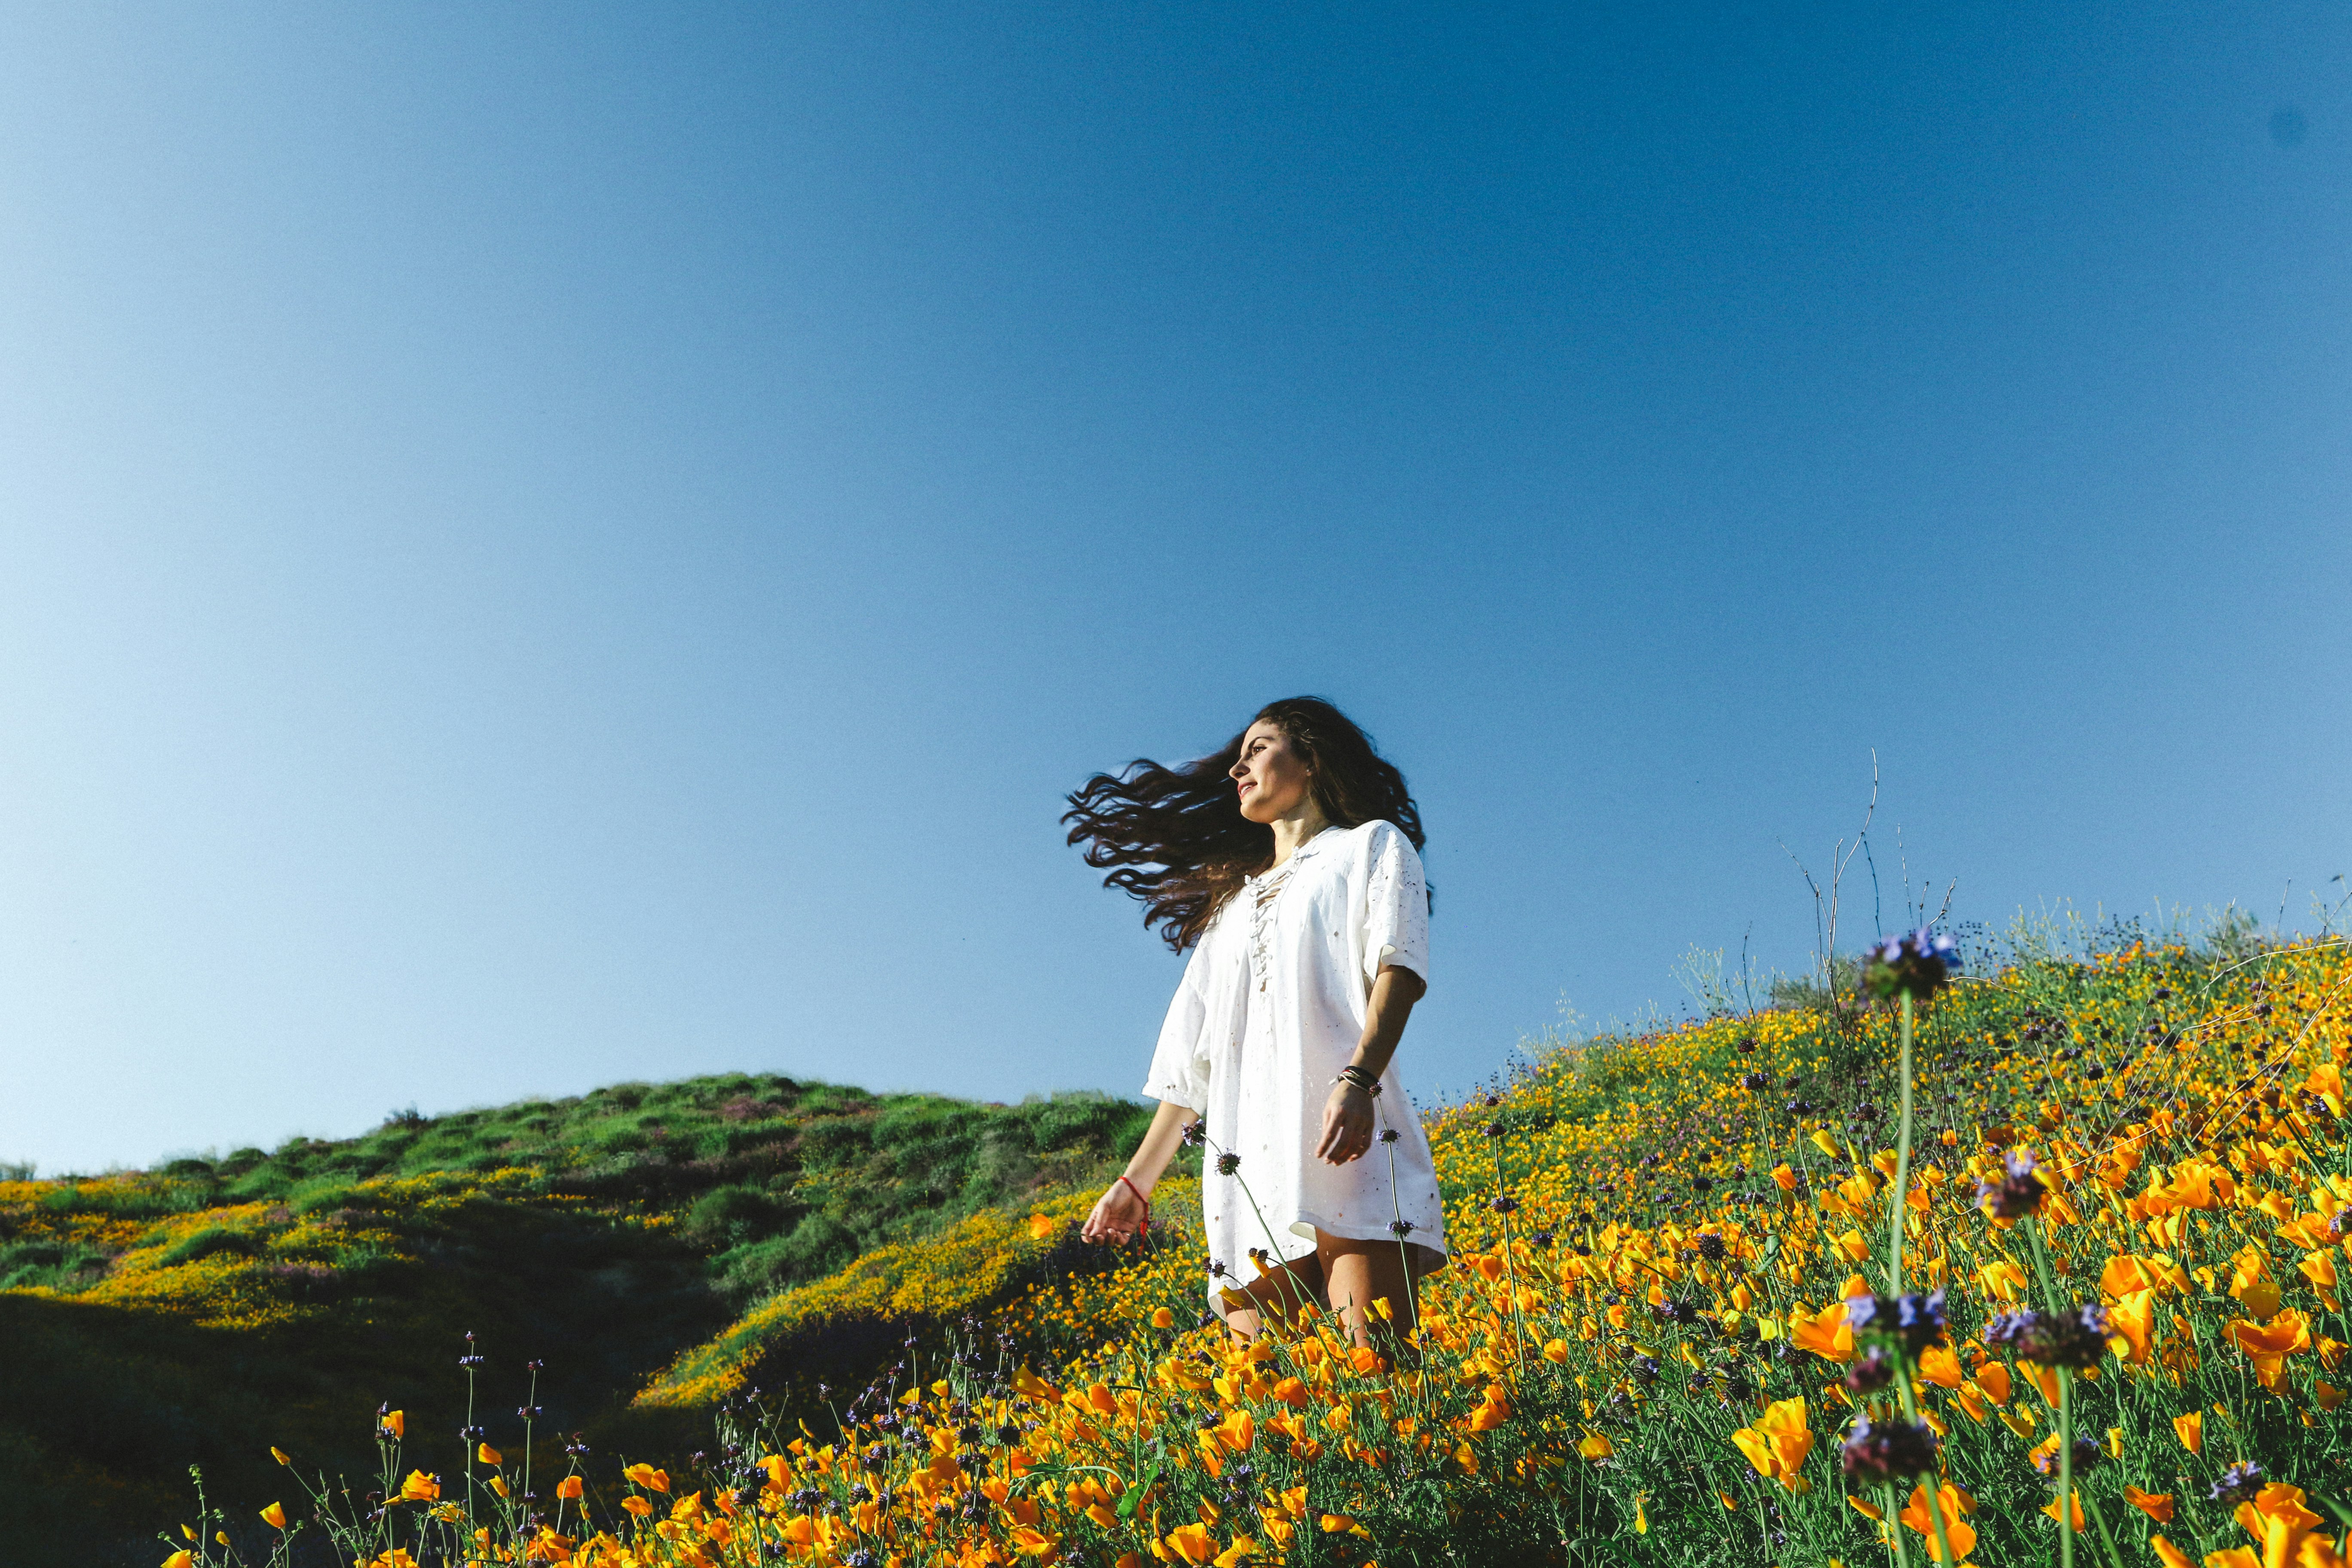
(1361,1078)
(1145,1227)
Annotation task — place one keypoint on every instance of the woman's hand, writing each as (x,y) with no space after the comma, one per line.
(1348,1115)
(1347,1124)
(1127,1204)
(1119,1214)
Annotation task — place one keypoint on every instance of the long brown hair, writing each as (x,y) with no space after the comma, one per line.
(1176,837)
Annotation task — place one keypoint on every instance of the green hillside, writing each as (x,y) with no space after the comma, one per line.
(191,1313)
(1648,1349)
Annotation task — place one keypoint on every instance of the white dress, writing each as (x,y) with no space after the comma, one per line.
(1272,1006)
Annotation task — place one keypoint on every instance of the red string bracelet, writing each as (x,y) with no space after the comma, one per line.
(1145,1228)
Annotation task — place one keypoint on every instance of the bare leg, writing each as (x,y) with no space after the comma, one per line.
(1281,1292)
(1359,1273)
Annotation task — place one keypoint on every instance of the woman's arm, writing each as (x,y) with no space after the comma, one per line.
(1348,1114)
(1119,1212)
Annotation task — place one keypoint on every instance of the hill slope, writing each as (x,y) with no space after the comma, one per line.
(1644,1327)
(1643,1351)
(156,1318)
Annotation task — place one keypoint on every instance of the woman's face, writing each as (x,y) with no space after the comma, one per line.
(1272,777)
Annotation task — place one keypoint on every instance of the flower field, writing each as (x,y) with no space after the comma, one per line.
(1672,1333)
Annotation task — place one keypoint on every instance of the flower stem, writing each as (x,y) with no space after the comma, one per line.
(530,1404)
(1404,1253)
(1932,1489)
(1518,1327)
(2065,1467)
(2115,1553)
(2049,1282)
(1292,1296)
(1902,1165)
(465,1442)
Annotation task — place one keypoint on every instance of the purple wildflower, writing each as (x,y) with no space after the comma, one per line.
(1917,965)
(2019,1191)
(1881,1451)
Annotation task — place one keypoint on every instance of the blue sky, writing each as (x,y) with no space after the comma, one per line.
(548,546)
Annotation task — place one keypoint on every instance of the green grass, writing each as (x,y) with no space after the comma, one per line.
(774,1181)
(199,1312)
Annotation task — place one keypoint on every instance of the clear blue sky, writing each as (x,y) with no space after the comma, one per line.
(547,545)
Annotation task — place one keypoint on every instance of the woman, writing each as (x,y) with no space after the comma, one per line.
(1288,863)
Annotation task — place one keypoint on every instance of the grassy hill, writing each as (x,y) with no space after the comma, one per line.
(1644,1353)
(199,1312)
(1641,1354)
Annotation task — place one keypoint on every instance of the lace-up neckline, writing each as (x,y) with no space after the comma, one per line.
(1265,891)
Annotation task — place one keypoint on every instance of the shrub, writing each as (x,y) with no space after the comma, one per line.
(49,1264)
(212,1242)
(729,1216)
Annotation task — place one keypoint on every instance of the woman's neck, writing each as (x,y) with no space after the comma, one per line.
(1290,832)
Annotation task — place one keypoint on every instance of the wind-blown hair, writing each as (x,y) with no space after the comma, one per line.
(1177,837)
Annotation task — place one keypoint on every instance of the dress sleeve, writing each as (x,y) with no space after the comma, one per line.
(1396,906)
(1180,1064)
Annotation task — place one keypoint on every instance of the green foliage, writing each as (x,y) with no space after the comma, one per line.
(104,1404)
(816,1246)
(212,1241)
(626,1223)
(739,1161)
(49,1264)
